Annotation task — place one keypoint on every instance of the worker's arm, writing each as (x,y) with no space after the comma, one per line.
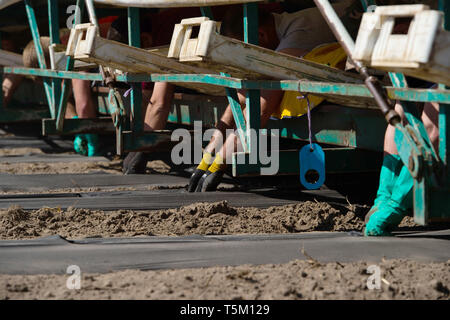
(9,86)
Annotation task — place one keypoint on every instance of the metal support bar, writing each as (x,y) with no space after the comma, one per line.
(444,110)
(238,115)
(346,41)
(344,89)
(76,126)
(367,3)
(251,23)
(40,53)
(158,140)
(66,85)
(207,12)
(24,115)
(53,22)
(253,107)
(91,12)
(1,78)
(136,92)
(339,160)
(253,112)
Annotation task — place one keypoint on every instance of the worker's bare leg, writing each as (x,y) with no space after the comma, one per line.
(84,103)
(156,114)
(159,106)
(269,102)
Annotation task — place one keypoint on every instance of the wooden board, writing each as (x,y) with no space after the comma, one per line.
(10,59)
(171,3)
(122,57)
(243,60)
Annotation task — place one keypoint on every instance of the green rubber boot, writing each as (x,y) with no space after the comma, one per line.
(80,145)
(93,144)
(390,169)
(86,144)
(391,212)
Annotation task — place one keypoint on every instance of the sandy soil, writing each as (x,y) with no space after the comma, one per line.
(113,167)
(200,218)
(400,279)
(19,151)
(95,189)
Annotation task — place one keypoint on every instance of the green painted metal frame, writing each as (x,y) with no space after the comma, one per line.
(66,85)
(337,160)
(102,125)
(1,78)
(344,89)
(53,22)
(253,96)
(439,197)
(134,40)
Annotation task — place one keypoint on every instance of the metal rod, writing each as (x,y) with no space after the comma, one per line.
(39,53)
(91,12)
(346,41)
(251,23)
(1,78)
(207,12)
(134,40)
(444,109)
(66,86)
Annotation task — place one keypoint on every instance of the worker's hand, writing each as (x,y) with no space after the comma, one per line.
(209,181)
(195,178)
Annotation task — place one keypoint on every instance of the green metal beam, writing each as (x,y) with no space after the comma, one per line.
(238,115)
(134,31)
(338,160)
(53,73)
(354,90)
(253,113)
(251,23)
(159,140)
(1,78)
(444,111)
(207,12)
(339,125)
(75,126)
(66,85)
(343,126)
(12,114)
(40,53)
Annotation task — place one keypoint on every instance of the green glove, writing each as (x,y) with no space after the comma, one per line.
(79,145)
(391,167)
(86,144)
(93,144)
(391,212)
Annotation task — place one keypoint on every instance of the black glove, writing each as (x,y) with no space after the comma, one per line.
(209,181)
(136,164)
(195,178)
(126,161)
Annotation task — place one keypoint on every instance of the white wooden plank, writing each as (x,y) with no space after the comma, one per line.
(264,63)
(171,3)
(10,59)
(119,56)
